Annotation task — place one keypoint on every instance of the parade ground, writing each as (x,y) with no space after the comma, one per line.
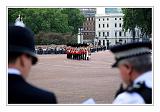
(74,81)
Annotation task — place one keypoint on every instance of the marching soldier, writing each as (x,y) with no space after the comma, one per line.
(72,50)
(134,63)
(67,52)
(80,52)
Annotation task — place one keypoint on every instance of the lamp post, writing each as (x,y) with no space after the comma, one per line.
(107,41)
(81,34)
(116,37)
(96,40)
(106,38)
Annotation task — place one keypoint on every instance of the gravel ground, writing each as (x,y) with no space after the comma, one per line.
(74,81)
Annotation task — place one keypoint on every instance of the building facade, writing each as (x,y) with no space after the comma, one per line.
(89,24)
(108,30)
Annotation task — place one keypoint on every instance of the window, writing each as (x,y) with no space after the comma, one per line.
(120,40)
(99,34)
(103,34)
(107,25)
(120,25)
(107,34)
(115,18)
(119,18)
(99,42)
(99,19)
(99,25)
(87,19)
(103,19)
(120,33)
(104,42)
(115,24)
(103,25)
(115,34)
(107,19)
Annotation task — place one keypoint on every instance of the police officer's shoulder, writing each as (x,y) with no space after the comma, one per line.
(129,98)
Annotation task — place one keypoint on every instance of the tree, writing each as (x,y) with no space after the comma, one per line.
(59,21)
(75,18)
(144,21)
(43,38)
(42,19)
(129,21)
(140,18)
(49,19)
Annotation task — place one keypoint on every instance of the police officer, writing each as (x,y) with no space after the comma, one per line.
(21,57)
(134,63)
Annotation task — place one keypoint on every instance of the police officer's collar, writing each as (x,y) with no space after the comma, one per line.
(14,71)
(145,77)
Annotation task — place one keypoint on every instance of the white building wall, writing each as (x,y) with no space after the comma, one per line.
(110,20)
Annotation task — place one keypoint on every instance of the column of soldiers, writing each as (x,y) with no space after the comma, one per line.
(98,48)
(78,53)
(63,50)
(51,50)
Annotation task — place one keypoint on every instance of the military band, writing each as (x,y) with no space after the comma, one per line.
(78,53)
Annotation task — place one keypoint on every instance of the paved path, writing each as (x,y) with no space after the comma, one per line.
(74,81)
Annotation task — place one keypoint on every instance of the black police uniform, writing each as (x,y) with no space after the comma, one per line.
(21,40)
(20,92)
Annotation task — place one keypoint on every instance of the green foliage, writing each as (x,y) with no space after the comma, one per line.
(54,20)
(43,38)
(144,20)
(75,18)
(138,17)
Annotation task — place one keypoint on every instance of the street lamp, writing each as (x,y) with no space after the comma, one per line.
(107,41)
(96,40)
(80,30)
(105,37)
(115,37)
